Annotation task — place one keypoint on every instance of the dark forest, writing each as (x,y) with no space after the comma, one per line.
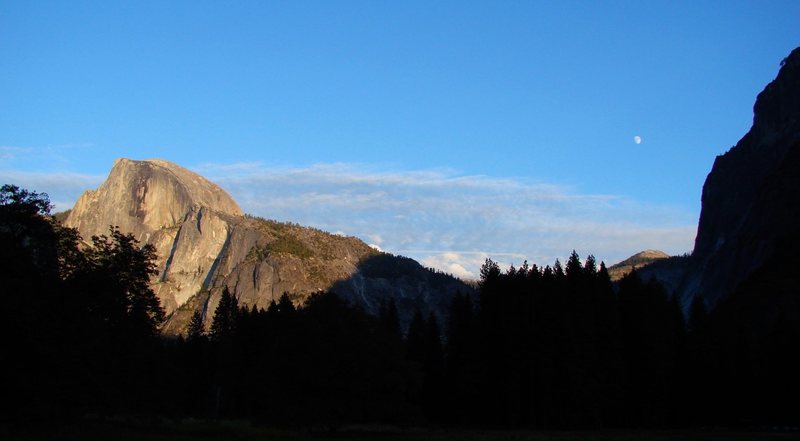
(557,346)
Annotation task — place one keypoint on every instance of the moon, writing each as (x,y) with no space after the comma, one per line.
(637,139)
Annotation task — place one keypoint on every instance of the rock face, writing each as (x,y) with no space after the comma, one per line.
(750,200)
(205,243)
(187,218)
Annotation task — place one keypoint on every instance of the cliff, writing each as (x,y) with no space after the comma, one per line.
(187,218)
(750,201)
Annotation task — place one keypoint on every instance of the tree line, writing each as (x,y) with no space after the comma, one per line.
(551,347)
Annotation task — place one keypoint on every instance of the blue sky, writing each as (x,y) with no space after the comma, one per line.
(446,131)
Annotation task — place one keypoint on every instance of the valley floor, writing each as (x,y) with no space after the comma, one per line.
(227,430)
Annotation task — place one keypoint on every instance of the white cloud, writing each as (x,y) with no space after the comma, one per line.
(416,213)
(374,238)
(456,263)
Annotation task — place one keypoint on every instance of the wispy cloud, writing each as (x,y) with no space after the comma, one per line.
(64,188)
(10,152)
(452,221)
(444,219)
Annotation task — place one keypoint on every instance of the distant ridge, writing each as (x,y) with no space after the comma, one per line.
(637,261)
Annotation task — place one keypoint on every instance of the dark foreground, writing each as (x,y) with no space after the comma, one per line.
(232,430)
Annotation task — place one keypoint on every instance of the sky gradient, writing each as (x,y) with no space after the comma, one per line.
(445,131)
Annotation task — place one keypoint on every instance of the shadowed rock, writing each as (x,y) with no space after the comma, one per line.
(750,199)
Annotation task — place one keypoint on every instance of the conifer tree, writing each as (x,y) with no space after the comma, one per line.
(590,266)
(574,269)
(196,330)
(285,305)
(490,271)
(223,324)
(558,270)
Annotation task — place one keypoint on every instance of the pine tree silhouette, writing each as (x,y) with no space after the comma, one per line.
(223,325)
(196,330)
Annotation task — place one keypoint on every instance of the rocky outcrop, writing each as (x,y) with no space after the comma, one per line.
(667,270)
(205,243)
(637,261)
(750,199)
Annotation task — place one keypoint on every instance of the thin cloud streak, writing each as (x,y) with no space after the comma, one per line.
(467,218)
(10,152)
